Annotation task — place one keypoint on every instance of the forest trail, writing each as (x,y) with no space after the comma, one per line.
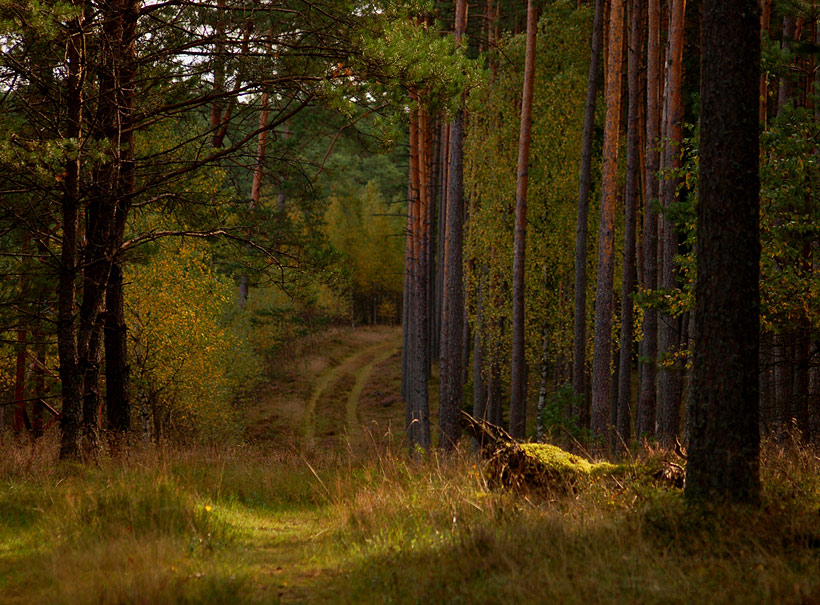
(339,392)
(358,367)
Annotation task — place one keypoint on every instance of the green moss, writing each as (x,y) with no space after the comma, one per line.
(548,467)
(553,457)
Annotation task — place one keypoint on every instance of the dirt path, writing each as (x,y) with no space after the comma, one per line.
(330,386)
(352,421)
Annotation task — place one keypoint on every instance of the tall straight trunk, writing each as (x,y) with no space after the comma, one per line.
(70,375)
(579,342)
(645,412)
(669,379)
(420,375)
(518,399)
(109,199)
(724,449)
(418,422)
(117,371)
(601,378)
(452,364)
(441,216)
(631,196)
(430,239)
(414,203)
(406,327)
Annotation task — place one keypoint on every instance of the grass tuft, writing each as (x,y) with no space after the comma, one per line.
(250,524)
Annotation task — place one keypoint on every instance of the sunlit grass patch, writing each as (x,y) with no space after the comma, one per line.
(248,524)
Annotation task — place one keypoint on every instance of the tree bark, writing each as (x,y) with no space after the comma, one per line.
(724,449)
(602,352)
(645,412)
(579,343)
(669,379)
(518,399)
(452,364)
(631,196)
(70,376)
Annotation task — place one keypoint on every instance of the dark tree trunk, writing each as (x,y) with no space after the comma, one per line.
(444,152)
(724,449)
(669,379)
(418,420)
(452,363)
(580,315)
(518,399)
(645,413)
(602,351)
(631,196)
(117,370)
(70,376)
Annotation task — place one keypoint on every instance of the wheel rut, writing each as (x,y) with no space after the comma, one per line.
(360,366)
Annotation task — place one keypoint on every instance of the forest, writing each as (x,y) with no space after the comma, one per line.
(409,300)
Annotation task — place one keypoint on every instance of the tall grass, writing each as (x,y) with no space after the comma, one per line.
(250,524)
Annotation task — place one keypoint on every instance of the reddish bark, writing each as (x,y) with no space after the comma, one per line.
(601,377)
(518,400)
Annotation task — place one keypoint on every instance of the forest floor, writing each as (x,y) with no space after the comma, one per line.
(324,505)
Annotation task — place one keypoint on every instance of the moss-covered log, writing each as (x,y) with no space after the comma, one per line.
(545,467)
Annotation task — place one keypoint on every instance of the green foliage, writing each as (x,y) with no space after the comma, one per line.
(367,230)
(490,177)
(790,215)
(191,353)
(789,218)
(553,415)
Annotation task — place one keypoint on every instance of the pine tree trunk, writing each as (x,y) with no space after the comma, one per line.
(645,412)
(452,361)
(631,197)
(580,314)
(117,371)
(602,351)
(724,449)
(518,399)
(669,379)
(70,376)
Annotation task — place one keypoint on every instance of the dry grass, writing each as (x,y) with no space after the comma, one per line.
(249,524)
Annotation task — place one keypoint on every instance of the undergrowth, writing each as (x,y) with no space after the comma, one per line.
(248,524)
